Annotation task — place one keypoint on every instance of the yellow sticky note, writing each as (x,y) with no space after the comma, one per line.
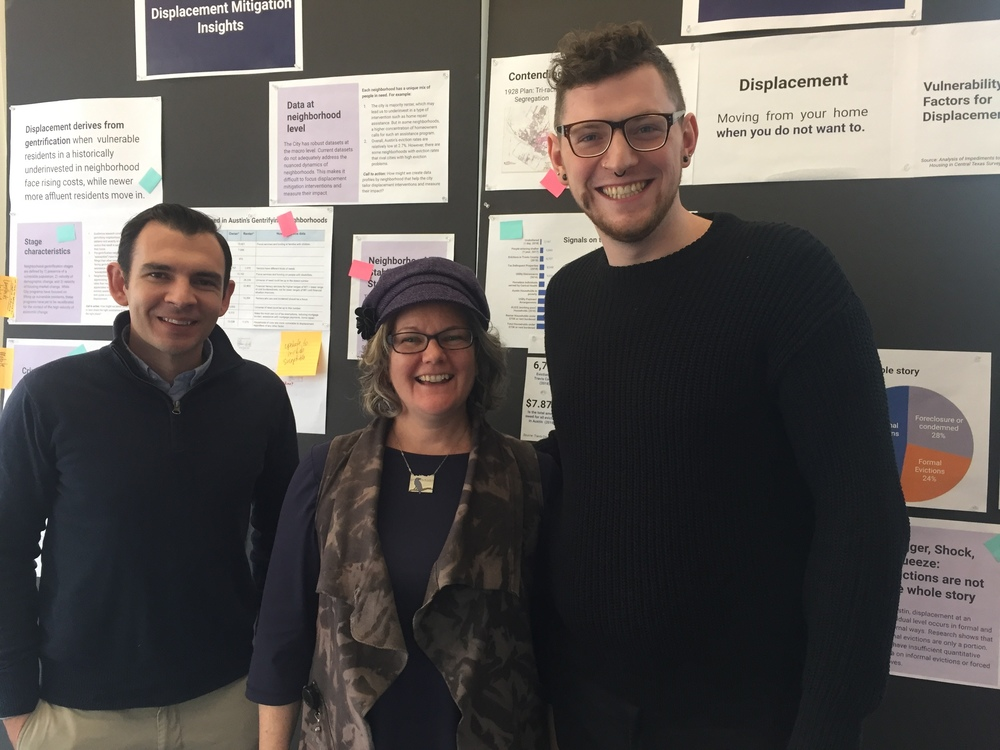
(8,292)
(299,352)
(6,368)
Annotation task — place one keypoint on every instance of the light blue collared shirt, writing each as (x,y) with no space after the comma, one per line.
(183,382)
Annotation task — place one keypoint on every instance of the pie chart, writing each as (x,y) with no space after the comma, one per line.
(932,440)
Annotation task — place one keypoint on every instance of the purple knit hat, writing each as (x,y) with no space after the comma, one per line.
(420,281)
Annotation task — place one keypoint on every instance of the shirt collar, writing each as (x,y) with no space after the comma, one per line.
(183,382)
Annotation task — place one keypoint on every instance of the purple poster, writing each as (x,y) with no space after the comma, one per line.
(722,10)
(49,261)
(27,358)
(190,37)
(318,146)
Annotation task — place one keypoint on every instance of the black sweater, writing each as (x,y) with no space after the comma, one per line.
(728,550)
(146,596)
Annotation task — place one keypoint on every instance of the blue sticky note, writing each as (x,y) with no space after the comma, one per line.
(79,350)
(65,233)
(511,230)
(150,180)
(993,545)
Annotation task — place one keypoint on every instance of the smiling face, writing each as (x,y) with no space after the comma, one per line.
(433,385)
(630,196)
(175,293)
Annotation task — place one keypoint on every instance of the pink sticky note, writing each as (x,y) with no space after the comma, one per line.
(552,183)
(361,270)
(286,223)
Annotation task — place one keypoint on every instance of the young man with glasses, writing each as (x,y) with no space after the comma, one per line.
(724,566)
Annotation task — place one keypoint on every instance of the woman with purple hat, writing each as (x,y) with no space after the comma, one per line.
(399,584)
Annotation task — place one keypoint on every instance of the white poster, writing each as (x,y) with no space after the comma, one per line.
(520,119)
(949,604)
(282,260)
(525,250)
(947,88)
(536,406)
(717,16)
(797,107)
(359,139)
(373,254)
(81,154)
(307,393)
(939,414)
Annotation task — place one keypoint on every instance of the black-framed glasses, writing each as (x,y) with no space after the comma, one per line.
(414,342)
(589,138)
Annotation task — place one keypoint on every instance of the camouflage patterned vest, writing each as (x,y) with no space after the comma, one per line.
(473,624)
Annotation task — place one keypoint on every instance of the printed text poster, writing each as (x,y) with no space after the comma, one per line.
(525,250)
(281,282)
(61,265)
(949,604)
(85,154)
(361,139)
(796,107)
(947,89)
(536,406)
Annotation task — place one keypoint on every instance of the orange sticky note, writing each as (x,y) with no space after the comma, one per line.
(6,368)
(552,183)
(299,352)
(361,270)
(286,223)
(8,295)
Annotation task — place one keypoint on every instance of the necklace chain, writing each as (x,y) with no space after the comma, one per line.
(422,483)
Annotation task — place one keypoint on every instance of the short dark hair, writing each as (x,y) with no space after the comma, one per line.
(587,57)
(174,216)
(379,398)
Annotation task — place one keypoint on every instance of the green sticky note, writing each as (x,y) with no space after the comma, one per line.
(993,545)
(65,233)
(511,230)
(150,180)
(79,350)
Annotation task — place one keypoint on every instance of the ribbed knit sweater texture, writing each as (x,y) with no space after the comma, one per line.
(728,548)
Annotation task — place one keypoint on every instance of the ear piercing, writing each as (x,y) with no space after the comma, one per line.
(687,158)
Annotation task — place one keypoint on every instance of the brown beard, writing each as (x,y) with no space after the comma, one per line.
(629,234)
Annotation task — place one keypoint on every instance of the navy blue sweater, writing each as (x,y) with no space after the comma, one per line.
(146,596)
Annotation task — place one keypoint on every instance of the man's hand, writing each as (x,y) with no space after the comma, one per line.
(13,726)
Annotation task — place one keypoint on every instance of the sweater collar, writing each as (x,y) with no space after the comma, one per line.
(223,355)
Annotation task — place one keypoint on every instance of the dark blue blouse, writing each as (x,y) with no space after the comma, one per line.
(417,710)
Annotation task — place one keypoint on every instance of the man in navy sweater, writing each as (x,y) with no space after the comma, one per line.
(725,561)
(145,462)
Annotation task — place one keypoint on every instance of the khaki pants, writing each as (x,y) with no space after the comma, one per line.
(223,719)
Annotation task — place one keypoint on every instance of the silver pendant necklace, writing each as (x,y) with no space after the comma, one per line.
(422,483)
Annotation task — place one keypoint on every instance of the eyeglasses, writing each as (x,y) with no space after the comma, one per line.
(412,342)
(589,138)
